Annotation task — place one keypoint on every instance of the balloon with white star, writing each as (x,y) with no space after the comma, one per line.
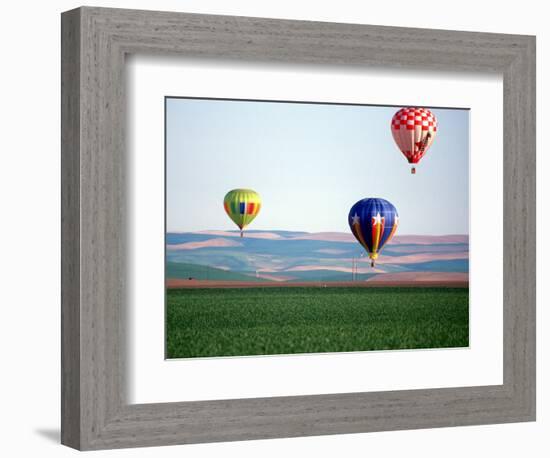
(373,222)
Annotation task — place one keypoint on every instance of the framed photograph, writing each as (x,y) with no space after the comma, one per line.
(279,228)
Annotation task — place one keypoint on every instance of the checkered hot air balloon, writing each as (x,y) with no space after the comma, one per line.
(413,130)
(373,222)
(242,206)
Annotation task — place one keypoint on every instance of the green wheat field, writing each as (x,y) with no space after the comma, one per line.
(286,320)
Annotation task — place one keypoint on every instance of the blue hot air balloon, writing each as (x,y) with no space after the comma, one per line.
(373,222)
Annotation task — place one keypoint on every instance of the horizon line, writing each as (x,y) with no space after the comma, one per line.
(305,232)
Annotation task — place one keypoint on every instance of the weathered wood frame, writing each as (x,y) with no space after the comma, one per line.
(95,414)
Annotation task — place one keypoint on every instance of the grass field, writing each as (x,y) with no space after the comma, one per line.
(268,321)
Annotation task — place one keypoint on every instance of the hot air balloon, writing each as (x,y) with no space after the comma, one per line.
(373,222)
(413,130)
(242,206)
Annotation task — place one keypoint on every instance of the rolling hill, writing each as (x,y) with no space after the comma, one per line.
(300,256)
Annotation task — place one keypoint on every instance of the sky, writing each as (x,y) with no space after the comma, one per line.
(310,163)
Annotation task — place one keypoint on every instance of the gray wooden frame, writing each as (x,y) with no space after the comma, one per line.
(95,413)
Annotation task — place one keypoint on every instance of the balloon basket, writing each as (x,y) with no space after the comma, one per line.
(372,263)
(241,234)
(413,171)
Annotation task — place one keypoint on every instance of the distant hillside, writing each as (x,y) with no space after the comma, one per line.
(198,272)
(302,256)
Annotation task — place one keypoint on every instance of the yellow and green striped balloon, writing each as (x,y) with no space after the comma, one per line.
(242,206)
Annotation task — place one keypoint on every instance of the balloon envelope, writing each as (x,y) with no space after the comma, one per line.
(414,131)
(373,222)
(242,206)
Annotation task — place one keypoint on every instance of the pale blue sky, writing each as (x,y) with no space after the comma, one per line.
(310,163)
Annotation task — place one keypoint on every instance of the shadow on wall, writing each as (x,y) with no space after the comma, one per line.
(53,435)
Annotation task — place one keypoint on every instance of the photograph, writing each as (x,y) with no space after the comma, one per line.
(305,227)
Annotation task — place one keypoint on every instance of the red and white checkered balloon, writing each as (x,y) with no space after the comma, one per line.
(413,130)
